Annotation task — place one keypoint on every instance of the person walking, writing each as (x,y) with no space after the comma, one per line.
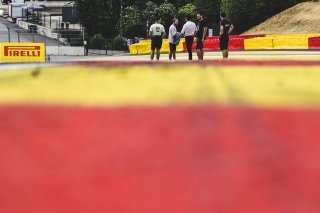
(156,33)
(226,27)
(172,39)
(202,30)
(189,31)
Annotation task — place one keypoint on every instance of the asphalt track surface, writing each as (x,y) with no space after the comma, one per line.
(234,55)
(122,134)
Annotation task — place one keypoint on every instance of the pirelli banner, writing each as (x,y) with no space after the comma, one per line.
(22,52)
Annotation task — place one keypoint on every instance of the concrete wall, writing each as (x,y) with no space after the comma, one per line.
(77,51)
(64,50)
(51,3)
(41,30)
(104,52)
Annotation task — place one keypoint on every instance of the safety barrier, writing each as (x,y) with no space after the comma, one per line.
(212,43)
(236,43)
(144,47)
(262,43)
(314,42)
(284,42)
(140,48)
(281,41)
(293,35)
(290,42)
(244,42)
(209,44)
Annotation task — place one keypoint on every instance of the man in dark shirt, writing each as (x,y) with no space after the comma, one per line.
(226,28)
(201,35)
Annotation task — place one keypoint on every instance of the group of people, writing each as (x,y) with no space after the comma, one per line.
(189,31)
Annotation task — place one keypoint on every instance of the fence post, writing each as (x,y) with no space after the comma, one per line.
(58,36)
(45,43)
(9,36)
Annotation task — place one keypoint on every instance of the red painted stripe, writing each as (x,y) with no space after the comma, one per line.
(174,159)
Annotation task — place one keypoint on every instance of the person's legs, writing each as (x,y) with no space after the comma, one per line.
(158,54)
(225,54)
(189,47)
(227,48)
(159,46)
(152,48)
(202,54)
(224,43)
(152,55)
(189,43)
(199,47)
(174,50)
(171,51)
(199,54)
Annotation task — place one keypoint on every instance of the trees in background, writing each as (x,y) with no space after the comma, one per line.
(103,16)
(98,17)
(249,13)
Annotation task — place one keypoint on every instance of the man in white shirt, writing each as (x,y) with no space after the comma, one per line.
(188,31)
(172,43)
(156,33)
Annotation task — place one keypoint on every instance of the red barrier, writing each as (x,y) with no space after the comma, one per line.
(248,36)
(184,47)
(211,44)
(236,42)
(314,43)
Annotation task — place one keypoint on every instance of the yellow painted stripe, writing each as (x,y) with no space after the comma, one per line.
(234,55)
(163,85)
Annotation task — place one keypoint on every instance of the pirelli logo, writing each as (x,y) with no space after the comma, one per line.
(22,52)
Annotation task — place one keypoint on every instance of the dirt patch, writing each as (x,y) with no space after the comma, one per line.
(302,18)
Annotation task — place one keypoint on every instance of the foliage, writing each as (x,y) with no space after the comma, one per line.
(210,10)
(97,42)
(167,12)
(151,11)
(97,17)
(248,13)
(136,30)
(188,9)
(104,16)
(118,43)
(132,15)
